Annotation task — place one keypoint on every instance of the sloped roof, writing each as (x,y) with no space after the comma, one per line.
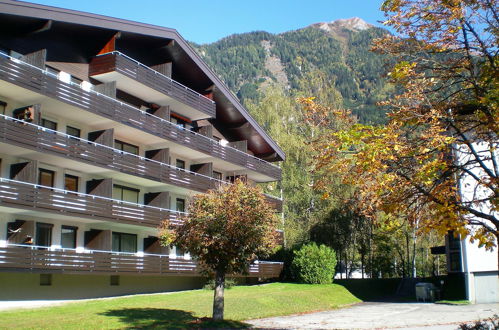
(235,119)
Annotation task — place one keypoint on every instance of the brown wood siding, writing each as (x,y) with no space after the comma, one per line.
(165,68)
(158,199)
(26,171)
(78,70)
(275,202)
(34,80)
(71,262)
(205,169)
(35,138)
(240,145)
(110,45)
(17,133)
(98,239)
(31,197)
(151,78)
(104,137)
(162,112)
(108,89)
(36,58)
(152,245)
(206,131)
(101,187)
(159,155)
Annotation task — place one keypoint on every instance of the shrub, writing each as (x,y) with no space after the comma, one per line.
(314,264)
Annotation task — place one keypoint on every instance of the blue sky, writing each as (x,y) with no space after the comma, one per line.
(205,21)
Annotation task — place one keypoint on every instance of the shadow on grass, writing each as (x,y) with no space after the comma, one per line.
(142,318)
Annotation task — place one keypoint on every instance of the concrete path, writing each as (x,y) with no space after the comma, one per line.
(381,315)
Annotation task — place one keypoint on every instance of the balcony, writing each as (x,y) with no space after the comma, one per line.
(16,194)
(69,261)
(26,135)
(37,138)
(275,202)
(141,81)
(42,82)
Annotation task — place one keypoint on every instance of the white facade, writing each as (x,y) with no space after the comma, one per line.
(479,265)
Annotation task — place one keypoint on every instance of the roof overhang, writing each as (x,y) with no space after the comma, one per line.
(234,119)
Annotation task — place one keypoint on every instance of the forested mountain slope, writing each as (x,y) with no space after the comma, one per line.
(331,61)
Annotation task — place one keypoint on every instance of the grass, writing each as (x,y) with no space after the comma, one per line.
(453,302)
(188,309)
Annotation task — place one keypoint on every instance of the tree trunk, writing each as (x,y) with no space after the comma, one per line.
(413,261)
(218,299)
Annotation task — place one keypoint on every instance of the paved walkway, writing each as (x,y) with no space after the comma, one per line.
(378,315)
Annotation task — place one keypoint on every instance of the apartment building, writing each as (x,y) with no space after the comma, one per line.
(108,127)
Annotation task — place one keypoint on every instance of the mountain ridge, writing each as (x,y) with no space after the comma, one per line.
(319,59)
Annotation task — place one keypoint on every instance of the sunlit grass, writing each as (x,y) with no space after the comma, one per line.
(183,309)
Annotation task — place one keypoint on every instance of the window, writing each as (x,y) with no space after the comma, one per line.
(45,279)
(180,164)
(71,182)
(43,234)
(127,147)
(68,237)
(217,175)
(179,252)
(125,194)
(49,124)
(181,204)
(114,280)
(177,121)
(26,114)
(46,177)
(73,131)
(123,242)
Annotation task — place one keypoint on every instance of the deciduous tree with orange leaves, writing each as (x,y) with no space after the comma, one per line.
(226,229)
(436,162)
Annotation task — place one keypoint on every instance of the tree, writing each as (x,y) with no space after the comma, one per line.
(436,162)
(225,230)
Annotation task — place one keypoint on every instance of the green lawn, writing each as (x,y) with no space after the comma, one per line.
(453,302)
(183,309)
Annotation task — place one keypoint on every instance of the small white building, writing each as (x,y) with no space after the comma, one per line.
(478,265)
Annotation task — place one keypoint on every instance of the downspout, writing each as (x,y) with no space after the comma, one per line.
(464,252)
(467,274)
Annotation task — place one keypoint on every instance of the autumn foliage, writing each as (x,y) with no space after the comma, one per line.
(226,230)
(436,162)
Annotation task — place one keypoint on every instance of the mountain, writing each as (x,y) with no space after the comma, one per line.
(329,60)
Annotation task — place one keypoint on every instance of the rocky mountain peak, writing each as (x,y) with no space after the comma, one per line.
(353,24)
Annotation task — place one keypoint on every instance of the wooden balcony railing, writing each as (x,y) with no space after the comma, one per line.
(42,259)
(118,62)
(34,137)
(275,202)
(30,196)
(42,82)
(37,138)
